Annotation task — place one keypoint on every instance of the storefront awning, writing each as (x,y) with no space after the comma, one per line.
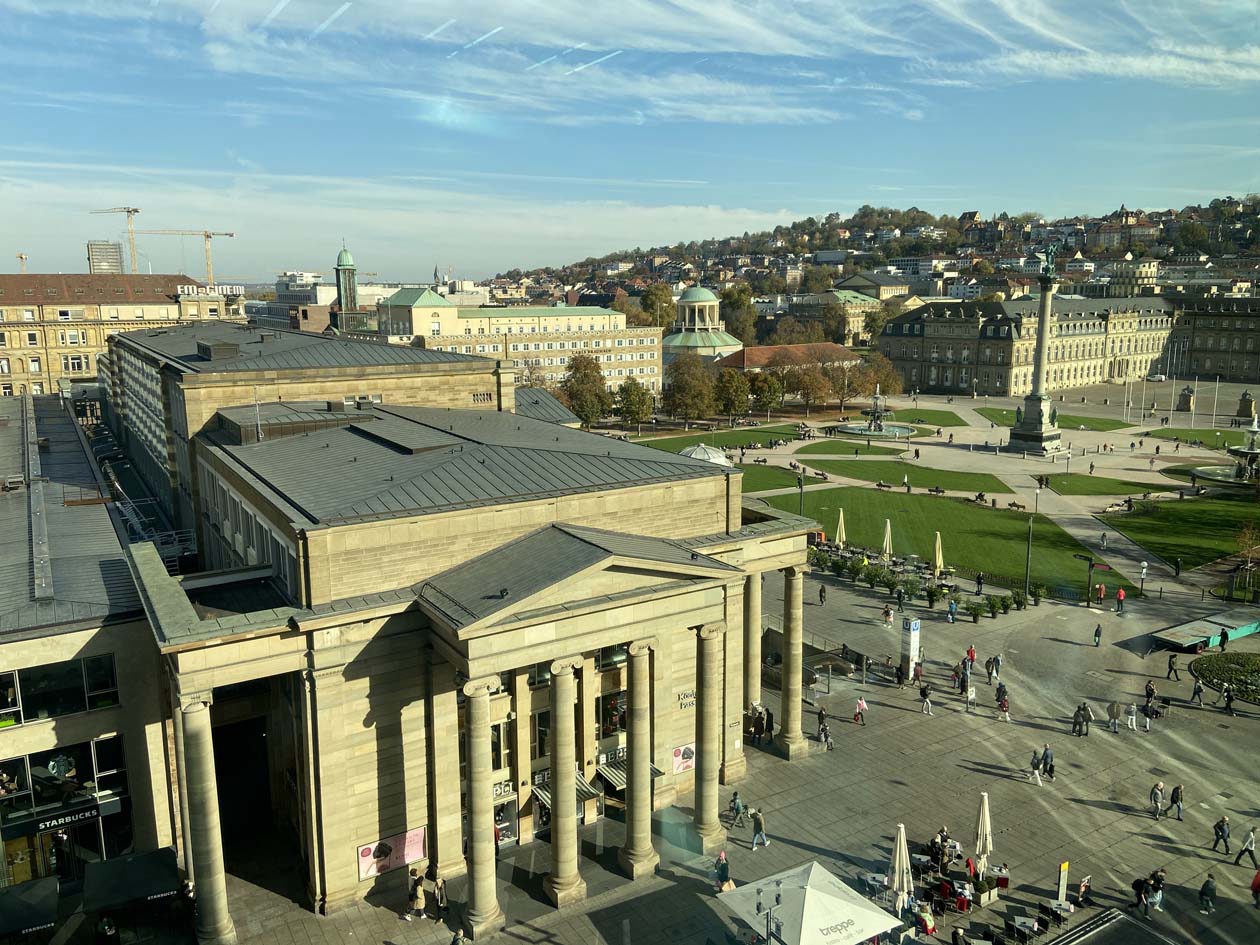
(29,907)
(584,791)
(134,878)
(617,773)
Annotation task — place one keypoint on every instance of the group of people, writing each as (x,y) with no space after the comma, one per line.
(1220,834)
(762,725)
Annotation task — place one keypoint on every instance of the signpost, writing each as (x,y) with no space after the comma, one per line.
(1089,576)
(1063,881)
(909,645)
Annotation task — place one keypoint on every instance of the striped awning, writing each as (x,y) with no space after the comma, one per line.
(617,774)
(542,792)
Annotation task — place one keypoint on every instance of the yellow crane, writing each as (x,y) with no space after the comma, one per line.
(205,234)
(21,258)
(131,229)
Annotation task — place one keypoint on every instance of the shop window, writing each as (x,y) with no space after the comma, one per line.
(15,791)
(62,776)
(52,691)
(611,713)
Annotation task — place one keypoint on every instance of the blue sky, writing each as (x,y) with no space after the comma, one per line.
(482,135)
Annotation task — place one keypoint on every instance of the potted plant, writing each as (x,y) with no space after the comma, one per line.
(1005,603)
(975,609)
(986,892)
(838,566)
(871,573)
(932,594)
(1020,598)
(991,603)
(911,586)
(1038,592)
(887,580)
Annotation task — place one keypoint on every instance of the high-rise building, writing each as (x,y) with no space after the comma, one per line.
(105,258)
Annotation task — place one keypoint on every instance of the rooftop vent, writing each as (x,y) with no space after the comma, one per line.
(218,350)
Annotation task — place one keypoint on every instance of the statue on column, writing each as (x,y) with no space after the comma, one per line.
(1051,251)
(1019,415)
(1054,416)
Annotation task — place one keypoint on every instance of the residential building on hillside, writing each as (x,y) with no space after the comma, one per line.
(54,327)
(879,286)
(987,347)
(163,386)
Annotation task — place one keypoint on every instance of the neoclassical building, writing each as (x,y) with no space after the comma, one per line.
(435,630)
(987,347)
(699,328)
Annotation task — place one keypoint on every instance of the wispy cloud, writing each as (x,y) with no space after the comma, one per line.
(332,18)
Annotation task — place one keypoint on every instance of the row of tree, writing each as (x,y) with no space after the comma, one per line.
(694,391)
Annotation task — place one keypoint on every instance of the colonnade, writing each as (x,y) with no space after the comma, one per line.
(790,737)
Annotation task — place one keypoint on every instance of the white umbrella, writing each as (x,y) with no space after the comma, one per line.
(938,559)
(900,879)
(984,836)
(840,529)
(810,907)
(887,538)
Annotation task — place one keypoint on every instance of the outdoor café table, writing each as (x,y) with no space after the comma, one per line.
(1025,922)
(876,884)
(1002,876)
(1063,907)
(922,861)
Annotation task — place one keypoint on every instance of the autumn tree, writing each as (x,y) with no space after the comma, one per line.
(876,318)
(657,303)
(583,390)
(849,380)
(739,313)
(816,279)
(634,404)
(688,388)
(766,390)
(810,384)
(1249,540)
(731,394)
(635,316)
(792,331)
(881,371)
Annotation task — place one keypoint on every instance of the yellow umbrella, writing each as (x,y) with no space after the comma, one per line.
(840,529)
(887,538)
(938,560)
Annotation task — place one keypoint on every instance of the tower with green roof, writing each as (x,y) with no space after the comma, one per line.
(699,328)
(347,281)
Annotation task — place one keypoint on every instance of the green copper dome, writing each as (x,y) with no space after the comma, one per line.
(344,259)
(697,294)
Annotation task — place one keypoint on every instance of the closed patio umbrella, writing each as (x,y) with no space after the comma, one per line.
(938,559)
(984,836)
(840,529)
(887,538)
(900,880)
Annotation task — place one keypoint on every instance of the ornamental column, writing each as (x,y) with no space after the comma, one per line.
(181,780)
(214,921)
(752,640)
(708,734)
(564,884)
(790,736)
(483,916)
(1036,430)
(638,857)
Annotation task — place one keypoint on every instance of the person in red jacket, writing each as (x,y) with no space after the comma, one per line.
(1120,601)
(1255,889)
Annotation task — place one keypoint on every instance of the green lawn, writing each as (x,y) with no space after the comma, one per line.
(930,418)
(759,478)
(1195,530)
(1067,421)
(1209,437)
(838,447)
(723,439)
(873,470)
(991,540)
(1082,484)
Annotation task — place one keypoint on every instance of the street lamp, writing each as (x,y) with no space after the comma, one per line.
(800,488)
(1142,587)
(1028,557)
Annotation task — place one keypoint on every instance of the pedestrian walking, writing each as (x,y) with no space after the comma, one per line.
(1248,847)
(440,903)
(1034,773)
(758,728)
(1088,716)
(1207,895)
(888,614)
(1101,593)
(1220,834)
(997,665)
(901,600)
(1098,635)
(1229,700)
(769,726)
(859,713)
(1047,761)
(925,693)
(1177,799)
(1156,899)
(1078,721)
(1120,601)
(1157,799)
(822,720)
(1091,469)
(822,594)
(971,658)
(759,829)
(1255,889)
(951,611)
(1114,711)
(1172,668)
(722,873)
(988,668)
(1225,688)
(901,676)
(1131,716)
(979,582)
(738,809)
(1224,638)
(1150,692)
(1103,541)
(414,891)
(1197,694)
(1004,707)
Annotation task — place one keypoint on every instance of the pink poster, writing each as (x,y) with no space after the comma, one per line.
(392,853)
(684,758)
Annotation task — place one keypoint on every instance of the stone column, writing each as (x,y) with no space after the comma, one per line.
(790,736)
(214,921)
(638,857)
(752,640)
(483,916)
(1041,366)
(181,781)
(708,735)
(564,884)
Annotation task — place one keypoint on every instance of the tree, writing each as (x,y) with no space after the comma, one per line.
(767,391)
(791,331)
(1249,540)
(982,267)
(583,390)
(810,384)
(1192,236)
(876,318)
(688,388)
(731,394)
(635,316)
(848,380)
(882,372)
(818,279)
(657,302)
(634,403)
(739,313)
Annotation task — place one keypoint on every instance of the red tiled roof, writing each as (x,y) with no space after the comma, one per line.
(760,356)
(83,288)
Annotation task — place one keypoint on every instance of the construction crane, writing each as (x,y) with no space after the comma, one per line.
(21,258)
(131,230)
(206,234)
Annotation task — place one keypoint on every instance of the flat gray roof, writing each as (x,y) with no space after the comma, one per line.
(259,349)
(541,404)
(417,460)
(60,558)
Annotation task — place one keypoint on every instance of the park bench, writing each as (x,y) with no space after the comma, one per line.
(1017,506)
(883,485)
(936,490)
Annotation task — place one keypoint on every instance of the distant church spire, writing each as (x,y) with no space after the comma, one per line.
(436,278)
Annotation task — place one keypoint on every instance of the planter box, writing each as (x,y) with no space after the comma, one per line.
(985,898)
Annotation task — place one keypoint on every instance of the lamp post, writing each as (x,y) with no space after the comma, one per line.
(800,488)
(1142,586)
(774,925)
(1028,557)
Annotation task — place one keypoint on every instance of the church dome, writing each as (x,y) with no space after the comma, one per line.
(344,259)
(697,294)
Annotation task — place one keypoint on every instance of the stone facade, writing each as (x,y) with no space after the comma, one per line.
(1223,338)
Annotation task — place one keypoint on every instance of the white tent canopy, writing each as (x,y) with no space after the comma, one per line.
(815,908)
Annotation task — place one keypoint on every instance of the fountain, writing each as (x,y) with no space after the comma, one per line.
(876,423)
(1244,472)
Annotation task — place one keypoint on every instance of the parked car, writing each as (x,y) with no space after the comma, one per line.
(1157,377)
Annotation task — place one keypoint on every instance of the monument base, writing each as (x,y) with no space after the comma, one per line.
(1036,428)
